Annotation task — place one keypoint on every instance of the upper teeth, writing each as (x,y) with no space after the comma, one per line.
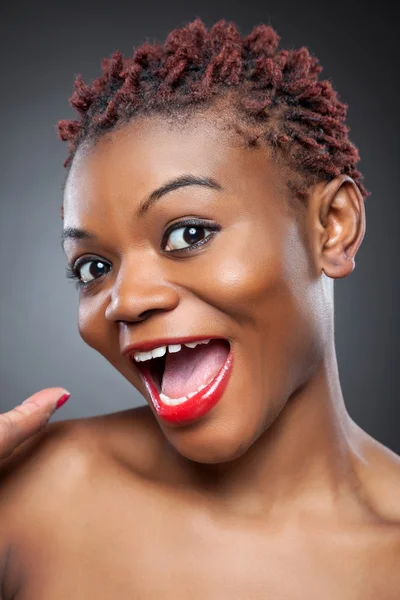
(161,350)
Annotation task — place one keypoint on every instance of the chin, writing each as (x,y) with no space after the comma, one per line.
(216,439)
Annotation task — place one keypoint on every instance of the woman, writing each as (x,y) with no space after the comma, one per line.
(211,200)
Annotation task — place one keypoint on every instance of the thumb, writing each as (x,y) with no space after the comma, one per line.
(24,420)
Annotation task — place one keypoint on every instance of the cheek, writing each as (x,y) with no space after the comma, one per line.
(246,274)
(96,332)
(92,325)
(265,285)
(99,334)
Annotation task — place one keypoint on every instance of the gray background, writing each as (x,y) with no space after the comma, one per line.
(42,47)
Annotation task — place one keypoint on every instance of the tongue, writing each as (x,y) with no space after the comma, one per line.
(185,371)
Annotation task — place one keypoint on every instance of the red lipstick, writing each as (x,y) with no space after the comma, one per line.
(196,406)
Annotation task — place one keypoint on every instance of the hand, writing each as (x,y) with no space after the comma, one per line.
(20,423)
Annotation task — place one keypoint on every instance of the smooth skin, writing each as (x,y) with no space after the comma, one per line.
(276,493)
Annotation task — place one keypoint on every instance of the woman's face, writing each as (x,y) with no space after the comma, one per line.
(253,282)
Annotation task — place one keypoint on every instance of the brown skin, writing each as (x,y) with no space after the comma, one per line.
(276,492)
(27,418)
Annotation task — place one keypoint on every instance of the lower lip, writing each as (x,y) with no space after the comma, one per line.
(196,406)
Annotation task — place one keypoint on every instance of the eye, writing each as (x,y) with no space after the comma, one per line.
(89,269)
(187,235)
(86,270)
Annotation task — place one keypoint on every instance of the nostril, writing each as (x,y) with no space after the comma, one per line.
(148,313)
(145,314)
(141,317)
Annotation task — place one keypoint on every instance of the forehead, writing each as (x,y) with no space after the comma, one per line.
(141,156)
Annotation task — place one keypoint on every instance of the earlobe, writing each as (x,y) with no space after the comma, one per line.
(341,226)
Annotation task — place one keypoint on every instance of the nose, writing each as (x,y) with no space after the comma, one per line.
(138,293)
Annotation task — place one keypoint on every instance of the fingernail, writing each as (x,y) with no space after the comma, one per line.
(62,400)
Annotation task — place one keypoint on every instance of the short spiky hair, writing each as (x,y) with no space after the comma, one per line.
(276,92)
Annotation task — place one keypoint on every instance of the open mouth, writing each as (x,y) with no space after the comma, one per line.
(185,380)
(184,369)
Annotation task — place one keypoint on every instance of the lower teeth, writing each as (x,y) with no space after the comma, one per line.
(175,401)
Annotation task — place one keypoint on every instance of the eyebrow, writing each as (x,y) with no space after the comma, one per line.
(175,184)
(74,233)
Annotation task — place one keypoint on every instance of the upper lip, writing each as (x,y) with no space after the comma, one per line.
(148,345)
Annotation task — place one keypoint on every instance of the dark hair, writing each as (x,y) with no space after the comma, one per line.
(276,93)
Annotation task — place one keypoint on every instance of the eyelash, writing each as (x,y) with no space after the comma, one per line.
(73,272)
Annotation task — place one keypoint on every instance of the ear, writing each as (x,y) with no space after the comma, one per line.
(337,213)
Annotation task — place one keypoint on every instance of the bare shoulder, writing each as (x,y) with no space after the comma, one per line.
(48,478)
(30,479)
(59,459)
(58,451)
(380,473)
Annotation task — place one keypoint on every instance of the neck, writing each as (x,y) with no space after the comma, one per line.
(304,459)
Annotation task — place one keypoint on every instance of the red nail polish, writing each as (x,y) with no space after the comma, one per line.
(62,400)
